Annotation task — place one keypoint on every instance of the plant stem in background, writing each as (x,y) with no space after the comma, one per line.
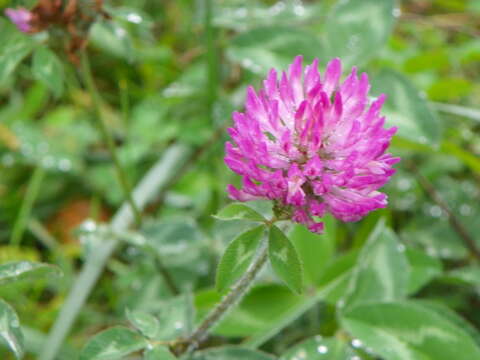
(229,301)
(120,171)
(212,66)
(92,89)
(46,239)
(27,204)
(124,101)
(458,110)
(157,178)
(195,156)
(452,218)
(166,276)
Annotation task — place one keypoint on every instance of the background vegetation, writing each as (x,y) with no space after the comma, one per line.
(169,74)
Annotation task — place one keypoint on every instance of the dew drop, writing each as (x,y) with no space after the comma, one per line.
(64,165)
(435,211)
(48,161)
(299,10)
(132,251)
(357,343)
(240,12)
(120,32)
(404,184)
(178,325)
(277,8)
(136,285)
(422,139)
(353,42)
(89,225)
(302,354)
(8,160)
(465,210)
(249,64)
(431,251)
(445,252)
(396,12)
(322,349)
(134,18)
(27,149)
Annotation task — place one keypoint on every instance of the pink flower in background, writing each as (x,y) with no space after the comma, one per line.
(312,144)
(21,17)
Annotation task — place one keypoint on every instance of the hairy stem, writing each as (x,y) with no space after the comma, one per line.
(230,300)
(92,89)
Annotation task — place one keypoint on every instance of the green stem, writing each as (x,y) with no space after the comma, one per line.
(27,204)
(166,276)
(156,179)
(47,240)
(230,300)
(92,89)
(124,101)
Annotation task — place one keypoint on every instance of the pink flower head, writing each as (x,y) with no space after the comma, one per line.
(313,144)
(21,17)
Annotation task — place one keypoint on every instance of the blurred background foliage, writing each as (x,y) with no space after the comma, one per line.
(170,73)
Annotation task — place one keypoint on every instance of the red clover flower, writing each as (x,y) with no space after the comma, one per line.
(312,144)
(21,17)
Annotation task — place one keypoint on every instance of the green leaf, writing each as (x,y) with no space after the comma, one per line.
(406,109)
(269,47)
(13,52)
(314,250)
(170,238)
(238,211)
(467,157)
(408,330)
(382,270)
(176,317)
(284,259)
(467,275)
(451,315)
(112,344)
(318,348)
(234,15)
(423,268)
(10,331)
(26,270)
(145,322)
(158,353)
(355,30)
(114,39)
(231,353)
(47,68)
(237,257)
(436,59)
(449,89)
